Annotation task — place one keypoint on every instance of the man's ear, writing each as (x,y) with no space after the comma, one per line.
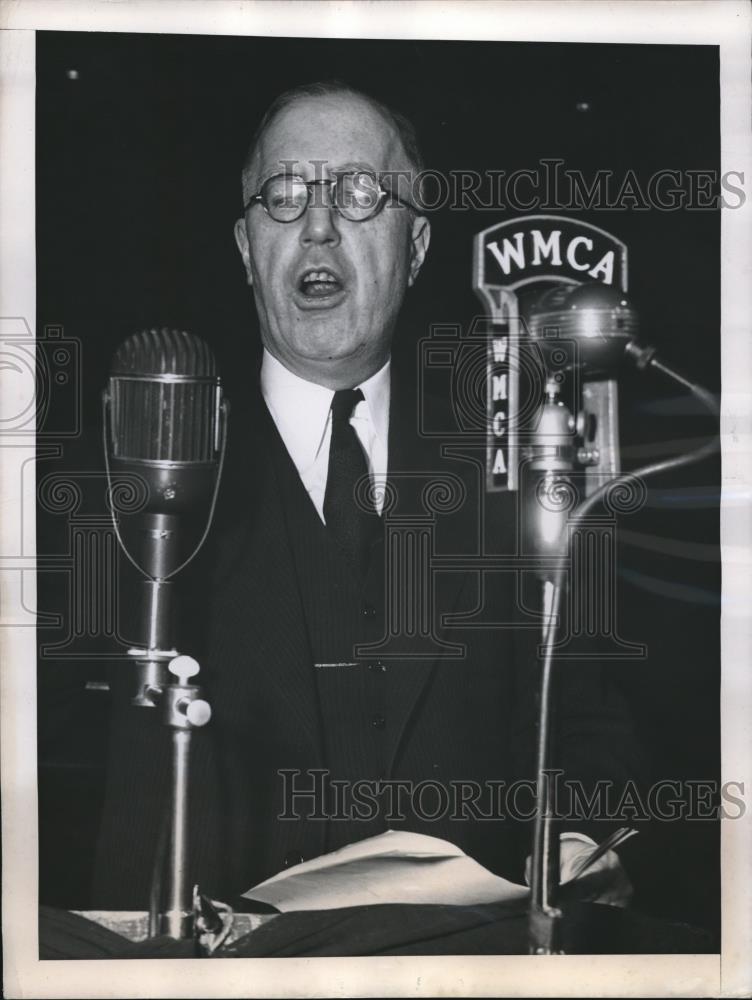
(241,238)
(420,237)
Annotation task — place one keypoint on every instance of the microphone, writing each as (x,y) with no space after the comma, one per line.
(595,325)
(165,400)
(165,422)
(599,319)
(584,333)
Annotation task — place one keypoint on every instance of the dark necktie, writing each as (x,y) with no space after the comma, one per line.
(347,522)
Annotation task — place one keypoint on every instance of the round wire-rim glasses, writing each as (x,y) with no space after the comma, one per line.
(357,195)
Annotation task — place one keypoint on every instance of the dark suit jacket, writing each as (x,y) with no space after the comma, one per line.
(468,717)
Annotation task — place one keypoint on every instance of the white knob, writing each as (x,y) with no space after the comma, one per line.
(184,667)
(198,712)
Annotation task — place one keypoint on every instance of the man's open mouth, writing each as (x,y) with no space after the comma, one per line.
(319,284)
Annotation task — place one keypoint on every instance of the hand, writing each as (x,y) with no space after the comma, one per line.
(605,881)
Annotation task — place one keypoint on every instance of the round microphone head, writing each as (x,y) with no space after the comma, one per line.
(599,319)
(165,410)
(164,392)
(151,353)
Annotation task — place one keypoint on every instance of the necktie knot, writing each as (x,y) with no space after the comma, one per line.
(344,402)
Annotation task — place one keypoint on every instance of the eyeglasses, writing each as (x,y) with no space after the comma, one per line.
(356,196)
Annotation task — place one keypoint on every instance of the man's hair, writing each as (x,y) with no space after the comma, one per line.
(323,88)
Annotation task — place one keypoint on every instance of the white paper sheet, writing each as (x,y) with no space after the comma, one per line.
(394,867)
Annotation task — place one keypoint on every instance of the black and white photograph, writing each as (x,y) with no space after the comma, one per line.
(377,436)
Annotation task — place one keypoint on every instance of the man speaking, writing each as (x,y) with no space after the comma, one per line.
(295,591)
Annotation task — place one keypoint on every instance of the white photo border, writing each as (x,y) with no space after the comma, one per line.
(725,23)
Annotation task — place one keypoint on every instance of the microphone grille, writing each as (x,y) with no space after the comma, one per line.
(164,394)
(597,320)
(585,312)
(164,352)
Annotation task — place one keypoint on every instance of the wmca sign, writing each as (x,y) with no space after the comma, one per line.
(527,251)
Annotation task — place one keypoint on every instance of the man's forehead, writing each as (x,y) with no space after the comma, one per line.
(335,132)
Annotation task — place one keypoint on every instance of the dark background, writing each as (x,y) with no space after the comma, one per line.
(139,145)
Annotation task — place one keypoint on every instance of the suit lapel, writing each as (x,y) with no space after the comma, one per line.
(257,592)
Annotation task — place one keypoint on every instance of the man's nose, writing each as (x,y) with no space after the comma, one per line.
(320,224)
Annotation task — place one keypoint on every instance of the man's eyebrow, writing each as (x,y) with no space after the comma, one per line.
(280,168)
(355,165)
(294,168)
(285,167)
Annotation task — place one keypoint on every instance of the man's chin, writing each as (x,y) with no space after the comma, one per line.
(319,339)
(331,352)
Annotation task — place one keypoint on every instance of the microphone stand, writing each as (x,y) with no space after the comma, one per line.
(184,711)
(159,552)
(545,917)
(553,457)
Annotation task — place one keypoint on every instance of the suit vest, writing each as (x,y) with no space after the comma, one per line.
(341,611)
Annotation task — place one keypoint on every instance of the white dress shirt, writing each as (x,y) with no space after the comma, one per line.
(301,411)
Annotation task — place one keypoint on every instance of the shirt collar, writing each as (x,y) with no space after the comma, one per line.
(376,391)
(300,409)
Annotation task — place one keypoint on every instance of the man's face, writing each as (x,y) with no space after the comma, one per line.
(335,332)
